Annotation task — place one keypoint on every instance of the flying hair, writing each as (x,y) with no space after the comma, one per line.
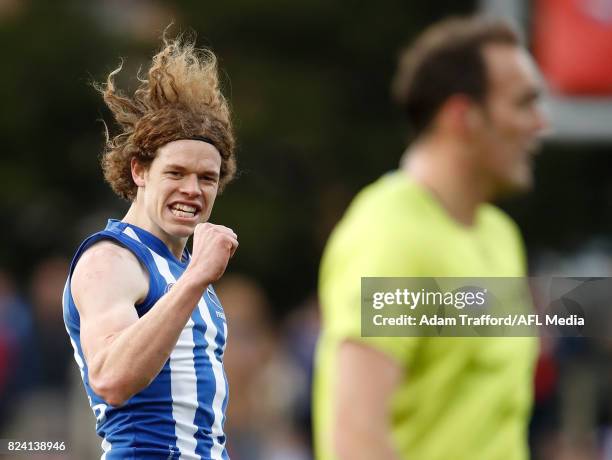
(179,99)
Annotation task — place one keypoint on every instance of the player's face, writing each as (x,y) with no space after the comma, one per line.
(181,185)
(512,120)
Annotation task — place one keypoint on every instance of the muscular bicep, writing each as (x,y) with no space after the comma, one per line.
(107,282)
(366,381)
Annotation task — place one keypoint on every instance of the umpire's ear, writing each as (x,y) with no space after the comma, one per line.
(138,172)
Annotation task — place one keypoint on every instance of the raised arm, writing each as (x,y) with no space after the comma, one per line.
(124,353)
(366,381)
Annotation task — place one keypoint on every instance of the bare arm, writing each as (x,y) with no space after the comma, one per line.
(366,381)
(124,353)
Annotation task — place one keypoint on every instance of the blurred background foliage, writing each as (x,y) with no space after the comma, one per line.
(308,81)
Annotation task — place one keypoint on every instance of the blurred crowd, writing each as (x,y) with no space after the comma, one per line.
(268,362)
(269,366)
(572,416)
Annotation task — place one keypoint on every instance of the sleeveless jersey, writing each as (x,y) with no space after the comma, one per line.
(181,413)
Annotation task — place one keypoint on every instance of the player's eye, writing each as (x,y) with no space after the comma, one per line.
(529,99)
(174,174)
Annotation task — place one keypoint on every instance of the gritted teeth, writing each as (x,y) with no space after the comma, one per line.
(179,213)
(184,207)
(184,210)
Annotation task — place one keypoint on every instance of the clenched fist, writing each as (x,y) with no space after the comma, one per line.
(213,245)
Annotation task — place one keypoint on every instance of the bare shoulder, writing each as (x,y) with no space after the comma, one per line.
(107,269)
(106,258)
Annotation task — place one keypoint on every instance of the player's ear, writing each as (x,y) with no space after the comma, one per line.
(456,114)
(138,172)
(472,117)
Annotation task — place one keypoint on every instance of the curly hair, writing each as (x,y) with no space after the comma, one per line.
(180,99)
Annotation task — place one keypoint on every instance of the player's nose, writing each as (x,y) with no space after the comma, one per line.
(541,123)
(190,185)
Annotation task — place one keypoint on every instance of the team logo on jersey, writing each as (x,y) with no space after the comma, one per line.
(213,298)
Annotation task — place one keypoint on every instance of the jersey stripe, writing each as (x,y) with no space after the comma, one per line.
(131,233)
(183,379)
(106,447)
(220,400)
(220,390)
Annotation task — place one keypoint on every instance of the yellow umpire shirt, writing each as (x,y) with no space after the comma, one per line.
(461,398)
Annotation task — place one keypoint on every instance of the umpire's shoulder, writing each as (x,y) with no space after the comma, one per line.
(390,199)
(500,222)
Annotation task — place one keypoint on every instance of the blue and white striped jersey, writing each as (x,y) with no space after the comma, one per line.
(181,413)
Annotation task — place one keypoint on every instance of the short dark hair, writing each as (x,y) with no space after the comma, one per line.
(444,60)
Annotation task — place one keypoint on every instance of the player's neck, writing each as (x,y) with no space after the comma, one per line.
(448,176)
(137,216)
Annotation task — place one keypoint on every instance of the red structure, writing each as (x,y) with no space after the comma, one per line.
(573,45)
